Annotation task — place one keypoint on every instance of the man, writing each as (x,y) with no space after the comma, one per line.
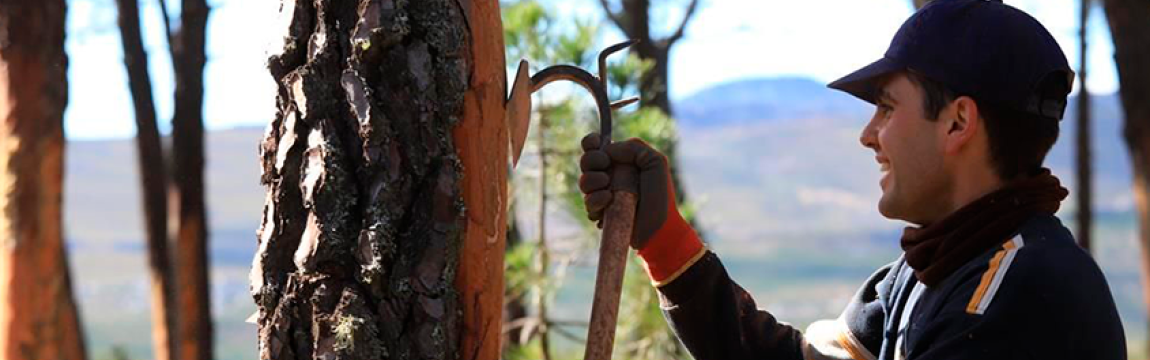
(968,98)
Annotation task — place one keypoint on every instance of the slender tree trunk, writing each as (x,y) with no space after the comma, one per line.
(1083,160)
(1131,34)
(189,210)
(153,179)
(514,310)
(543,258)
(38,316)
(386,171)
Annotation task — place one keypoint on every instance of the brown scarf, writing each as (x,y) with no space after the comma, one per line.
(938,249)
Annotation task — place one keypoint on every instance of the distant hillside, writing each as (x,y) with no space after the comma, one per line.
(749,101)
(104,227)
(782,118)
(775,165)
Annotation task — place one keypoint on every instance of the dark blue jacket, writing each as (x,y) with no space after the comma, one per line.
(1036,296)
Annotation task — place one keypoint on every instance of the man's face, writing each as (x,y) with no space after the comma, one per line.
(909,150)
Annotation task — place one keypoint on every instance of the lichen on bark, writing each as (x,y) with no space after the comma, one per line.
(364,214)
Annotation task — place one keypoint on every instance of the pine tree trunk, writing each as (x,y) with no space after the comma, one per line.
(195,323)
(386,172)
(153,182)
(38,316)
(1085,177)
(1131,34)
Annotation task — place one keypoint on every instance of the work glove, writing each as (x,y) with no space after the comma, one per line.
(632,166)
(665,242)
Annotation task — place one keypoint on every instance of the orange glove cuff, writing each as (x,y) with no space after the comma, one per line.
(672,250)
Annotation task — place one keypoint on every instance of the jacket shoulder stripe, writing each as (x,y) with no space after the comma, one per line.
(833,340)
(992,278)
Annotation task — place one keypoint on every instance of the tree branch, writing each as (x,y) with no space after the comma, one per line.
(167,22)
(678,34)
(615,17)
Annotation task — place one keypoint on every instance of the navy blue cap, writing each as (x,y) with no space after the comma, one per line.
(984,49)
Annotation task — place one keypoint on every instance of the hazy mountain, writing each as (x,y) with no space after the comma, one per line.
(777,119)
(753,100)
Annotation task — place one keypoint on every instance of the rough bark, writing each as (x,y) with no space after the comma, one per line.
(38,316)
(189,209)
(153,180)
(386,174)
(1085,177)
(1131,33)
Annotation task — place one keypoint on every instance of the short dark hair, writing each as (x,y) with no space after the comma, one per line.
(1019,141)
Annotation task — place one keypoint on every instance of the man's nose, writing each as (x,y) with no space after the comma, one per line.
(869,136)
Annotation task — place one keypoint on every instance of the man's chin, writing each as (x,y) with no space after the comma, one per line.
(885,208)
(888,209)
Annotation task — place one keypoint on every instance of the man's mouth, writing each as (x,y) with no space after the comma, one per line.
(884,168)
(883,163)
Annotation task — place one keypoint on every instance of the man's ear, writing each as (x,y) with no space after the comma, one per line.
(963,122)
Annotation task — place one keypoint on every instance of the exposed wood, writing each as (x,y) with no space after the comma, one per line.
(481,142)
(1131,33)
(1085,177)
(38,316)
(386,171)
(188,206)
(154,181)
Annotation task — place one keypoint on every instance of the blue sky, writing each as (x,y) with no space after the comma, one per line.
(728,40)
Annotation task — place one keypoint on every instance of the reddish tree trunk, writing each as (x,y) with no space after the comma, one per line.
(189,210)
(38,316)
(386,171)
(1130,31)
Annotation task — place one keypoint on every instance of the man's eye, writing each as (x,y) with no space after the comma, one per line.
(885,109)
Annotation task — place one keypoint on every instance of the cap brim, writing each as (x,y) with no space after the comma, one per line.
(864,83)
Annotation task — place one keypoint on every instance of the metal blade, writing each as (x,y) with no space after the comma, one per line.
(519,111)
(622,103)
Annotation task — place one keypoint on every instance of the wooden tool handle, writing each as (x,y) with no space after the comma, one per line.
(618,222)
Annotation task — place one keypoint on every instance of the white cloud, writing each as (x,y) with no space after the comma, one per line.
(834,198)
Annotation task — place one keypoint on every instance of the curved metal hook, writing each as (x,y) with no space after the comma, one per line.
(587,81)
(596,85)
